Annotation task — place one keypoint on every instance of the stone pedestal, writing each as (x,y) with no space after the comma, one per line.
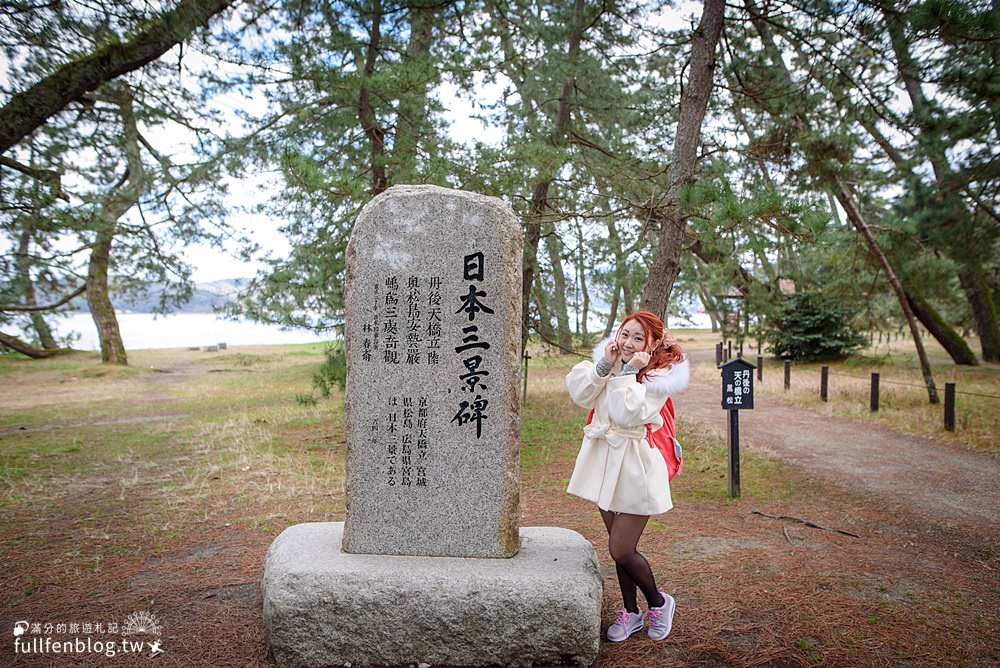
(324,607)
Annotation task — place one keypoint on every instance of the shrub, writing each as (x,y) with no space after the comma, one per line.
(812,327)
(333,372)
(305,399)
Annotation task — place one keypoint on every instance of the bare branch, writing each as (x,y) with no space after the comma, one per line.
(19,308)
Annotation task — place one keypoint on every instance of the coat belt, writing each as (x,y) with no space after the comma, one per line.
(615,436)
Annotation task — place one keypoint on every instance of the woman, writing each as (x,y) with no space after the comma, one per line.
(628,383)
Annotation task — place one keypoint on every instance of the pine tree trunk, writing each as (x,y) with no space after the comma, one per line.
(115,205)
(694,103)
(564,335)
(706,300)
(529,262)
(545,329)
(614,312)
(20,346)
(99,300)
(666,265)
(944,333)
(854,215)
(44,332)
(23,267)
(984,311)
(621,275)
(366,114)
(581,276)
(411,117)
(994,284)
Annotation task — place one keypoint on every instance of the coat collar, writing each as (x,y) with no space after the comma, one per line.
(669,381)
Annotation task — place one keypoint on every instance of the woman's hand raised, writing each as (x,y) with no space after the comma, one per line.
(639,360)
(612,351)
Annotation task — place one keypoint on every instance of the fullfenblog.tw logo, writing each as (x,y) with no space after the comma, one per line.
(141,622)
(107,638)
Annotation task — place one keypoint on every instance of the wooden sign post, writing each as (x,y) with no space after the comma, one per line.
(737,395)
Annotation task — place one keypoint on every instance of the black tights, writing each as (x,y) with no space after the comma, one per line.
(624,531)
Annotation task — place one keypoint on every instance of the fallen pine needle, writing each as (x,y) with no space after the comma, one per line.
(806,522)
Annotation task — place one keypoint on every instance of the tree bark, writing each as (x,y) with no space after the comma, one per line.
(366,114)
(621,274)
(694,103)
(711,309)
(99,300)
(544,325)
(411,117)
(581,276)
(984,311)
(559,306)
(944,333)
(22,264)
(533,233)
(854,215)
(29,109)
(707,302)
(614,312)
(20,346)
(115,205)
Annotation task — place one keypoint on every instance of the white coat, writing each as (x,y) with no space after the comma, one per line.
(617,468)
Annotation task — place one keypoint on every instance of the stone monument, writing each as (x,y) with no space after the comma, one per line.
(430,565)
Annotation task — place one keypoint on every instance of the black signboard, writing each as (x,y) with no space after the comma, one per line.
(737,385)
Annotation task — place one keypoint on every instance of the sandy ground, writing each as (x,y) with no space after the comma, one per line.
(915,585)
(928,478)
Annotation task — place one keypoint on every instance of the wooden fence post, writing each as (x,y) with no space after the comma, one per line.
(949,406)
(524,392)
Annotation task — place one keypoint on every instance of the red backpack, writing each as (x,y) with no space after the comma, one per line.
(664,439)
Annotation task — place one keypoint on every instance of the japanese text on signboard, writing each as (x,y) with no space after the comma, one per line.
(405,327)
(471,347)
(737,387)
(404,430)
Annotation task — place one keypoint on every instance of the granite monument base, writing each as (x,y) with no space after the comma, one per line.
(324,607)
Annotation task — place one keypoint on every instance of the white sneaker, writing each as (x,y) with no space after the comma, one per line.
(626,623)
(661,619)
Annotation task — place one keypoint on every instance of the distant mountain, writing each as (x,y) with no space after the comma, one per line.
(204,298)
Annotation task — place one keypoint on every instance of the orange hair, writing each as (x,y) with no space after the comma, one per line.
(667,354)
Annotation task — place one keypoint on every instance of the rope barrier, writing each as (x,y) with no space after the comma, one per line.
(905,384)
(919,387)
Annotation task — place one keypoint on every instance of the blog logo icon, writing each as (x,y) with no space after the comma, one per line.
(20,628)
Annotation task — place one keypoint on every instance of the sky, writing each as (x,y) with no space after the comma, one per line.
(211,264)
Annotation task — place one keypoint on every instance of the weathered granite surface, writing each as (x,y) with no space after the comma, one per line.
(324,607)
(433,313)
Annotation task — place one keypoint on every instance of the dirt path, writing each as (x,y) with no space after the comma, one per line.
(926,477)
